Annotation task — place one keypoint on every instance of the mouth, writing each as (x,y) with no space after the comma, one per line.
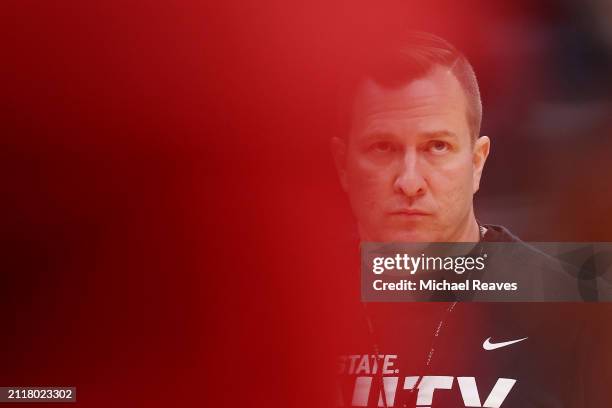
(410,213)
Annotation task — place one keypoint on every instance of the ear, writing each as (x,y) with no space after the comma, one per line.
(482,146)
(338,148)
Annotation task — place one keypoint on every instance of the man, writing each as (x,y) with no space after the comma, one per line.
(410,164)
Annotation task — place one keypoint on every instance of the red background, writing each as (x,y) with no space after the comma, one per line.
(166,177)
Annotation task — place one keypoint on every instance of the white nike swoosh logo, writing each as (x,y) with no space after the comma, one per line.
(487,345)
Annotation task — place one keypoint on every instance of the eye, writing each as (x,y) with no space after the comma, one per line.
(382,147)
(438,147)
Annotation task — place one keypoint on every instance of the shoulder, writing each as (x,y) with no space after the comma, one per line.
(513,249)
(539,275)
(498,233)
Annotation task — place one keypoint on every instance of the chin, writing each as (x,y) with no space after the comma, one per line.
(400,233)
(408,236)
(414,238)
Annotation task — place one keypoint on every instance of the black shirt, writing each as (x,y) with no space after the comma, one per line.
(455,354)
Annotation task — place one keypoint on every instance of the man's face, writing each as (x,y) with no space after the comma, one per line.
(410,165)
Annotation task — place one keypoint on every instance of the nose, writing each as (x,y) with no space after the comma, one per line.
(409,180)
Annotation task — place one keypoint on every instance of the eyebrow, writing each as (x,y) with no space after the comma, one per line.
(379,134)
(438,133)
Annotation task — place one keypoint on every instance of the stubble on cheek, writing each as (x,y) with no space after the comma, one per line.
(454,201)
(370,193)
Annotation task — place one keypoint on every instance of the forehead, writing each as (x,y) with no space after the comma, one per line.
(435,102)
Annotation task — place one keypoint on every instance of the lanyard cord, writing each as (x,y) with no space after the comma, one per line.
(439,328)
(376,348)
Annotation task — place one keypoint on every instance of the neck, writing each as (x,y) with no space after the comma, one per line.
(471,231)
